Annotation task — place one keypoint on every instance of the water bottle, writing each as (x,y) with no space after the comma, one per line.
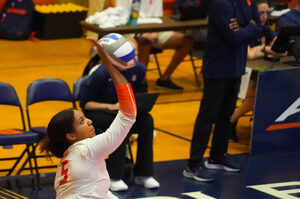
(134,15)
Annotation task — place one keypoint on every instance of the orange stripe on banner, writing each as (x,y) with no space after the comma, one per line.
(283,126)
(9,131)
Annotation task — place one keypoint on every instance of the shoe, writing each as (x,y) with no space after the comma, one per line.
(198,174)
(221,164)
(233,137)
(168,84)
(118,185)
(147,182)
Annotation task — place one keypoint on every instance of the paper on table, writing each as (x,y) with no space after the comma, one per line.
(278,13)
(149,20)
(244,83)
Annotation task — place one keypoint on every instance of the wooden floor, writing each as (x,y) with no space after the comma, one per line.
(25,61)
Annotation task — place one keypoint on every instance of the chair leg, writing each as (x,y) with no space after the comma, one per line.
(130,152)
(157,65)
(36,157)
(25,162)
(36,165)
(17,162)
(131,160)
(197,78)
(30,166)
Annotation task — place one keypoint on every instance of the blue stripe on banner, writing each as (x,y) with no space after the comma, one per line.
(111,36)
(129,56)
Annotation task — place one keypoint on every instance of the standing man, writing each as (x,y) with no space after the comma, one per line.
(232,24)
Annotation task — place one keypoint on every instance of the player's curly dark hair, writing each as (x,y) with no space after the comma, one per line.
(56,142)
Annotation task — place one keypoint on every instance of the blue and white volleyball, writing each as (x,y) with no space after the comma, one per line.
(119,50)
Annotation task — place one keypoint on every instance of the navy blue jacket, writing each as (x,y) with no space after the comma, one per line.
(99,86)
(226,51)
(291,18)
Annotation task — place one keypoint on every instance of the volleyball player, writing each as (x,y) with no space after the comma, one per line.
(82,172)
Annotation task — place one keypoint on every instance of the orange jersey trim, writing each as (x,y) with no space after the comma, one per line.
(126,99)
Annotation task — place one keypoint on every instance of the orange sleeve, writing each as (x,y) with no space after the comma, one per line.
(126,100)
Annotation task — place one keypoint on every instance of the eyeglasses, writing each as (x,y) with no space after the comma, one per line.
(264,12)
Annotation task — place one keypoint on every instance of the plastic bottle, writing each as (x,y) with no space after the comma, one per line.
(134,15)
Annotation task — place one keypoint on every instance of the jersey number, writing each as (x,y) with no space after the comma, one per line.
(64,172)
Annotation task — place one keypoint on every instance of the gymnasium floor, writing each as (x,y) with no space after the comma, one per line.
(262,177)
(25,61)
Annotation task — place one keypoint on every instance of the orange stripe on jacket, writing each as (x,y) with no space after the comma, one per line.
(249,2)
(126,100)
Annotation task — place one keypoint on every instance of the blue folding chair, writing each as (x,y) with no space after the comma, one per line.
(9,137)
(78,85)
(47,89)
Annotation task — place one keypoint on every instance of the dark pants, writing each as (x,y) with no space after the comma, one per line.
(217,106)
(116,161)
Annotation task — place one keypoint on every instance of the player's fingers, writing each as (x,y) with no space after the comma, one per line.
(101,52)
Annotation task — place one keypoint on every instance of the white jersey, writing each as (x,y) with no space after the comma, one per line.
(82,172)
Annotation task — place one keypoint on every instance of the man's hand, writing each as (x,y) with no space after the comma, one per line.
(252,21)
(234,25)
(113,107)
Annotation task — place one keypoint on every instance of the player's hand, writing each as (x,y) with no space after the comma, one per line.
(234,25)
(113,107)
(98,47)
(101,53)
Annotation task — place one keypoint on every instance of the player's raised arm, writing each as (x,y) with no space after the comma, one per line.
(124,90)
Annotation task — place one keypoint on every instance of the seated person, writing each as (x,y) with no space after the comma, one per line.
(98,98)
(165,40)
(256,49)
(291,18)
(162,40)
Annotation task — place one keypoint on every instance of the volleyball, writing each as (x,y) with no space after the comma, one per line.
(119,50)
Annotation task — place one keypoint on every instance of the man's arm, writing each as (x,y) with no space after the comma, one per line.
(222,16)
(284,21)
